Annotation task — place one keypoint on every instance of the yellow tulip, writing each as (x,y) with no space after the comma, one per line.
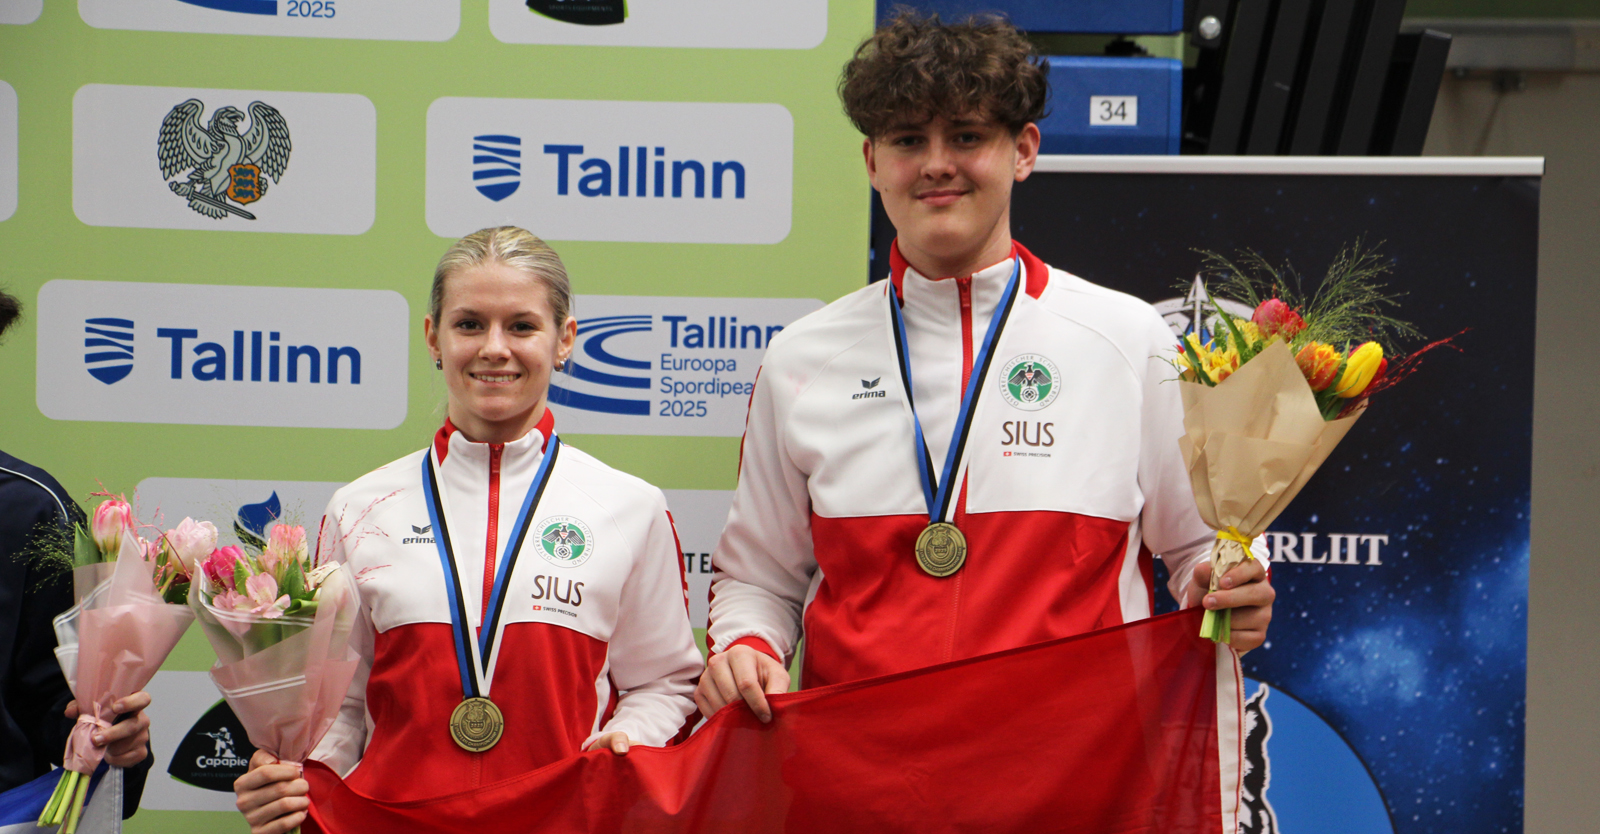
(1359,370)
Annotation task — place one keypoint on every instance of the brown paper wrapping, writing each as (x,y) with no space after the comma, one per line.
(1250,444)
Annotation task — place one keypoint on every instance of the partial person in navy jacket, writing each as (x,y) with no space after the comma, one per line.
(36,707)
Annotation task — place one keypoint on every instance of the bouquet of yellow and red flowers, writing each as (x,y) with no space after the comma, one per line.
(1267,399)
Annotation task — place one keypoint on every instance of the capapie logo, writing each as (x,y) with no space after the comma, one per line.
(658,172)
(153,157)
(674,366)
(222,355)
(111,343)
(405,20)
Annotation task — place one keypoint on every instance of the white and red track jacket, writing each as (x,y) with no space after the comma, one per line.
(596,643)
(1067,492)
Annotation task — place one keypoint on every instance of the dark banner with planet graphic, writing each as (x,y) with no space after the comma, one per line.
(1391,695)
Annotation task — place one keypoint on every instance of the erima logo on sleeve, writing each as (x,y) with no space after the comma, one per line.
(870,390)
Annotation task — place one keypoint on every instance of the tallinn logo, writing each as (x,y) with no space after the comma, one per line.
(111,341)
(497,165)
(227,170)
(870,390)
(424,535)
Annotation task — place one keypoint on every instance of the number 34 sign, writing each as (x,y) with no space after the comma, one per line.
(1113,111)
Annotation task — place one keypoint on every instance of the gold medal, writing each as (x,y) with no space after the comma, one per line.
(476,724)
(941,549)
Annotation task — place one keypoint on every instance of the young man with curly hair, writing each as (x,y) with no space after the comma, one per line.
(976,454)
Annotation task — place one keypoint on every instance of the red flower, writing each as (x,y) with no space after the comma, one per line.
(1275,318)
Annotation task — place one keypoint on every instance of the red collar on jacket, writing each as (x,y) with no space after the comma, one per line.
(441,440)
(1037,273)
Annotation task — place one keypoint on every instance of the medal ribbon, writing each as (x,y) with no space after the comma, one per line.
(940,494)
(476,674)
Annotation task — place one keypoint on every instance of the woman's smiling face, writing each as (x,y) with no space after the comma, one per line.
(498,342)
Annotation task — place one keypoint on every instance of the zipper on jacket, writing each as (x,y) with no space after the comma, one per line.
(493,536)
(964,291)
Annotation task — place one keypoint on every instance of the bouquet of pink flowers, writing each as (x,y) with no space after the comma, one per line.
(280,624)
(119,632)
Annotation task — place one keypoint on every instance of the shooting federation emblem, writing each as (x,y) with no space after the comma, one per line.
(565,541)
(1029,382)
(227,170)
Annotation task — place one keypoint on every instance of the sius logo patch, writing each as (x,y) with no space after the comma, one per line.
(114,339)
(1029,382)
(497,165)
(564,541)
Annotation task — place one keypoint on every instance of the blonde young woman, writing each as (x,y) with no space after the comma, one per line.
(520,601)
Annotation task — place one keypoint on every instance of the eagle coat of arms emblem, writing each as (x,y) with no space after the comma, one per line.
(227,169)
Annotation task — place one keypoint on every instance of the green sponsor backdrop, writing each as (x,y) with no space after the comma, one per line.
(48,60)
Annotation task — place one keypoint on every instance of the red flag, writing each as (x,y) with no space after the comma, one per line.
(1130,730)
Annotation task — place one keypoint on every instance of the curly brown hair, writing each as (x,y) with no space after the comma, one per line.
(915,67)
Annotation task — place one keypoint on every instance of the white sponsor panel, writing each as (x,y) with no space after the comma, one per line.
(20,11)
(395,20)
(224,160)
(177,700)
(730,24)
(699,515)
(222,355)
(238,508)
(642,171)
(667,365)
(8,150)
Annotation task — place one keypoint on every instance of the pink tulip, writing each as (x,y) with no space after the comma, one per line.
(1275,318)
(218,566)
(285,544)
(192,542)
(111,519)
(263,591)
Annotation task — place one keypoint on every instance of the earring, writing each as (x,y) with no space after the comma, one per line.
(561,364)
(438,364)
